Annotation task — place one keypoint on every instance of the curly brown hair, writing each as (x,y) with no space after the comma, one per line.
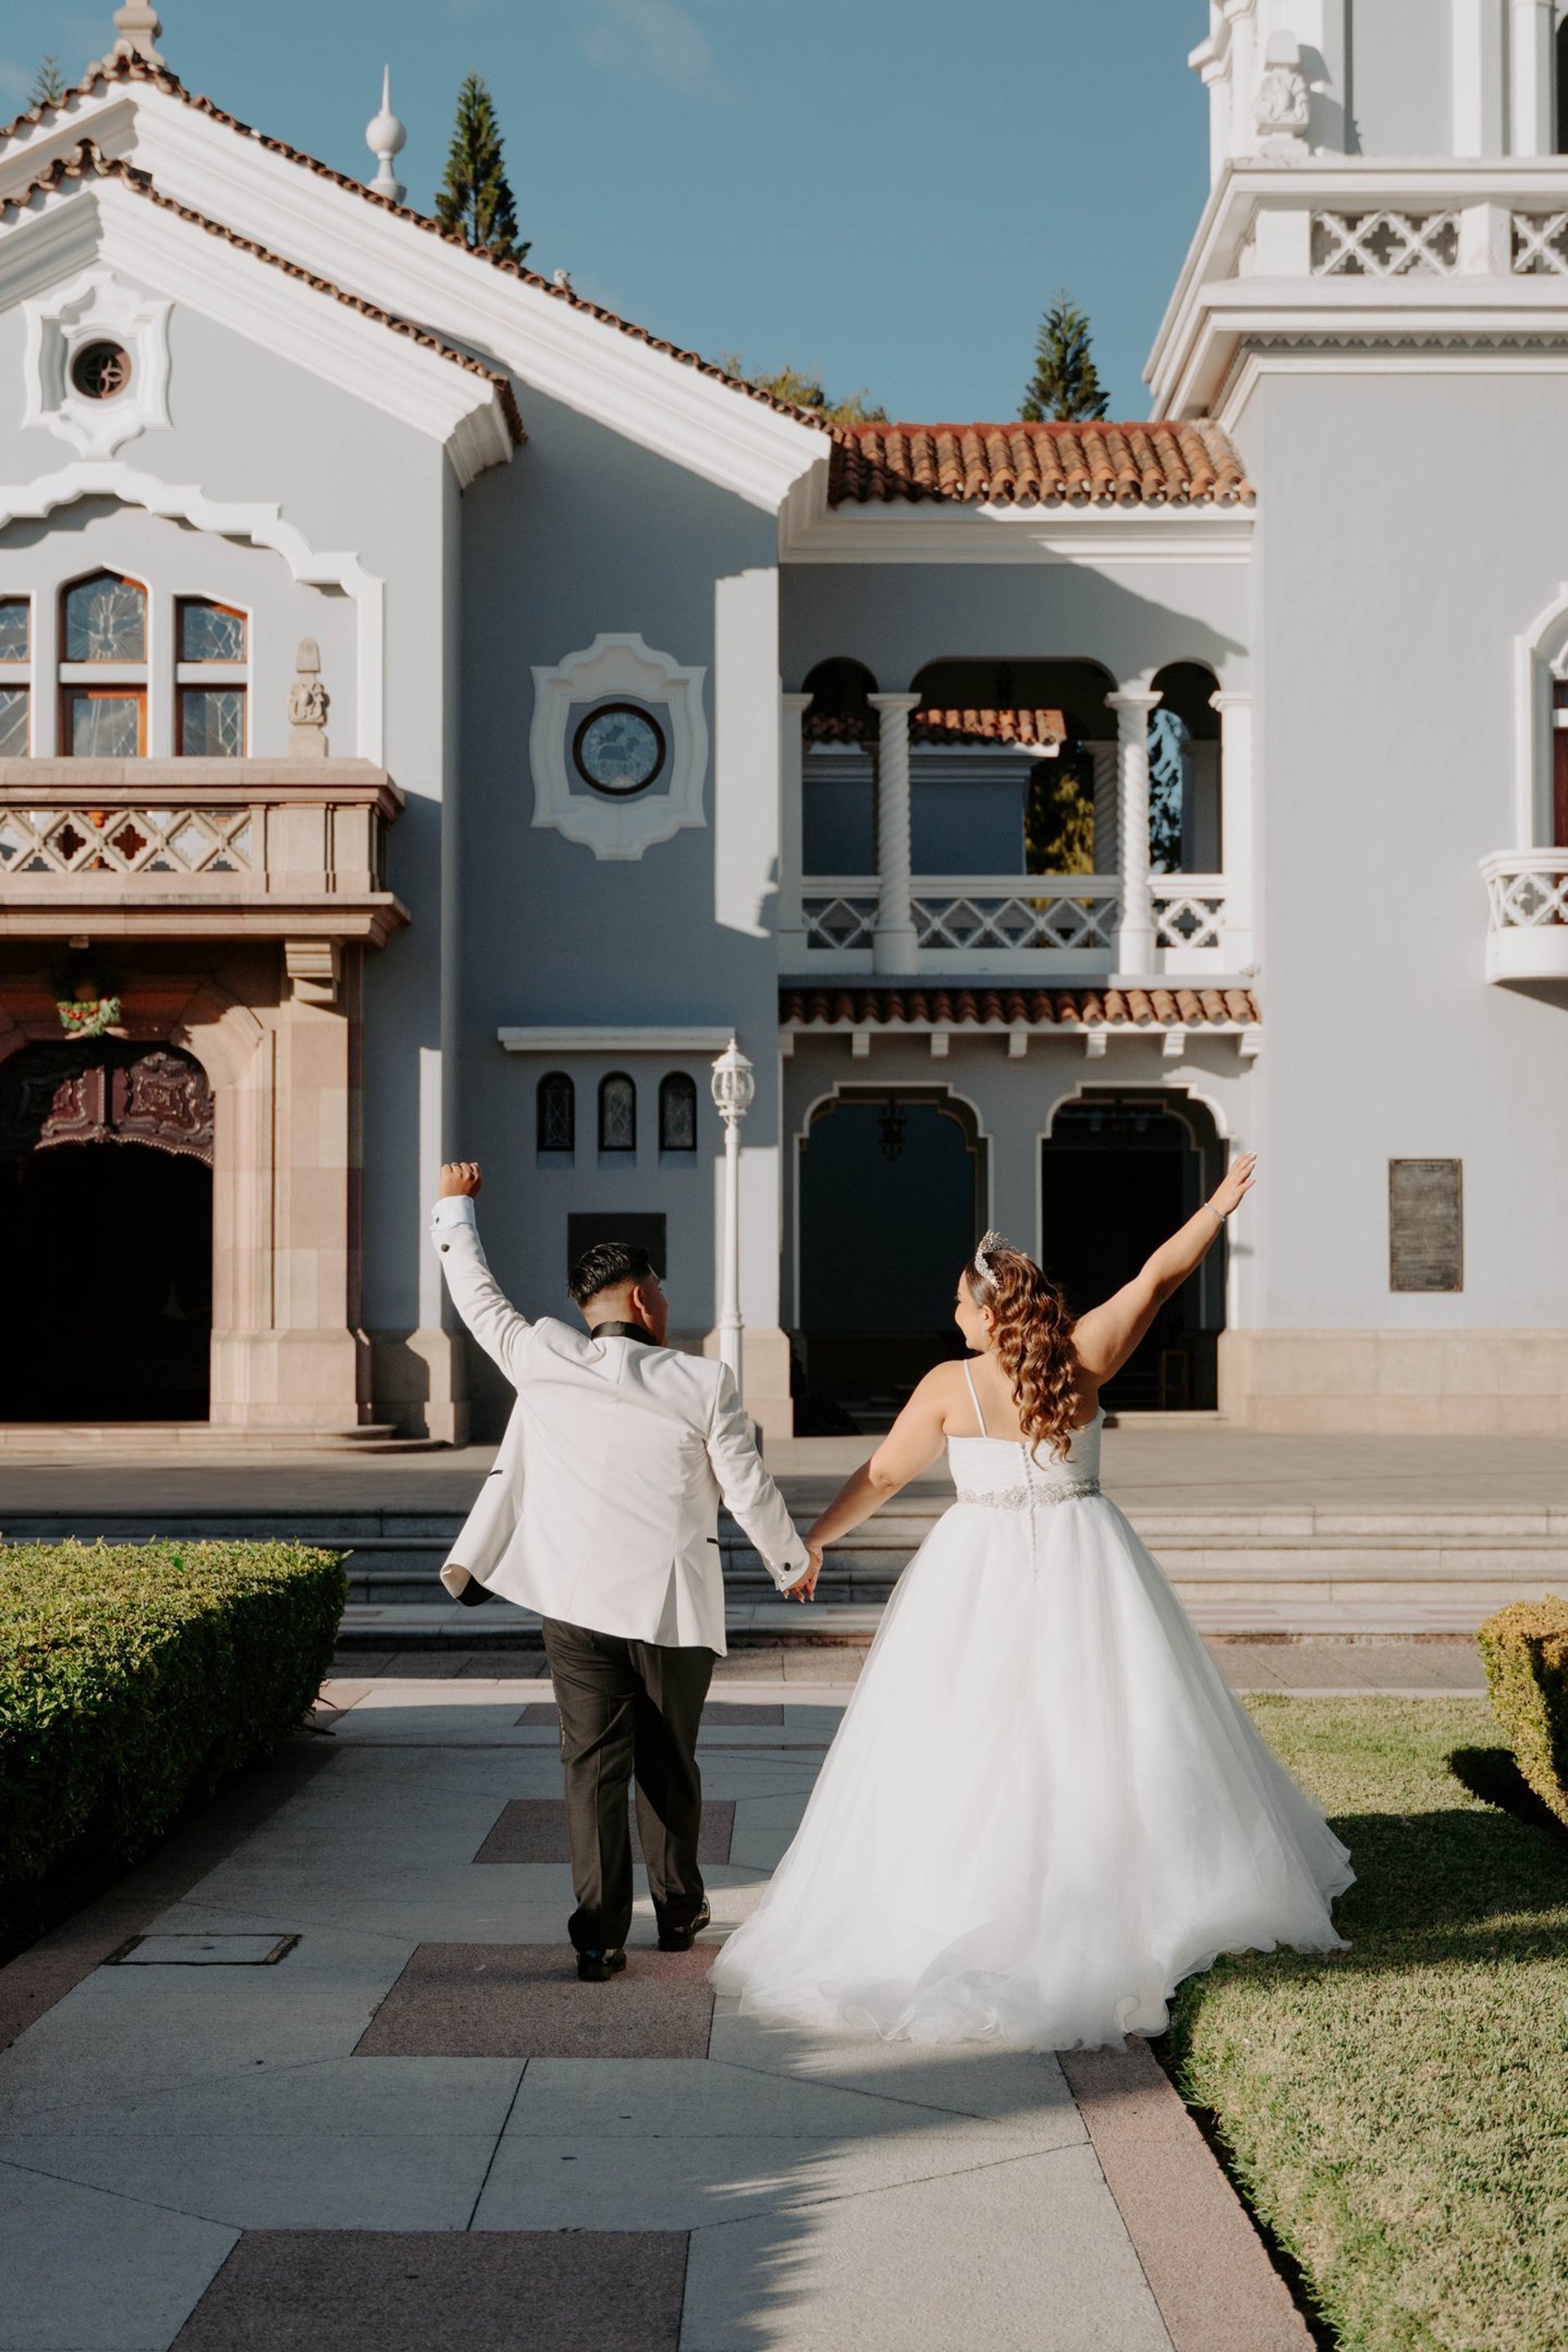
(1033,1329)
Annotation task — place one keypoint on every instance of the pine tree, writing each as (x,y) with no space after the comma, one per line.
(1064,386)
(48,84)
(475,197)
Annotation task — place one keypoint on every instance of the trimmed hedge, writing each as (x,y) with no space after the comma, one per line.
(1524,1649)
(135,1679)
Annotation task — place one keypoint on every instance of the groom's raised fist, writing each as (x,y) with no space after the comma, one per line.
(459,1177)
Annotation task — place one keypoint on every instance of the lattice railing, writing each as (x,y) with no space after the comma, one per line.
(1189,910)
(126,841)
(984,916)
(841,923)
(1384,245)
(1528,891)
(1540,245)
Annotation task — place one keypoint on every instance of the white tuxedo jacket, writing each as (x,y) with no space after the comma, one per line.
(603,1508)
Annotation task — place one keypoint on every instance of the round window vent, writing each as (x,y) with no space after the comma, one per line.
(101,371)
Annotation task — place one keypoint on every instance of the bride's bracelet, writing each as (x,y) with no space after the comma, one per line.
(1219,1213)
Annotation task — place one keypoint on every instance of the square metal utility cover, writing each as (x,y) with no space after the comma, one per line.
(204,1951)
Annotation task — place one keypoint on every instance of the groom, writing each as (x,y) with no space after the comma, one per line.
(602,1514)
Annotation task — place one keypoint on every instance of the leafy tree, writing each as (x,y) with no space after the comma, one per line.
(48,84)
(1058,815)
(1065,384)
(804,391)
(475,198)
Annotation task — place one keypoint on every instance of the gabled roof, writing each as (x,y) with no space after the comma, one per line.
(85,160)
(992,1007)
(125,69)
(1158,463)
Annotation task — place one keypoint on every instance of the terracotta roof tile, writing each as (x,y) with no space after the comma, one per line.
(137,69)
(1003,1007)
(1157,463)
(1045,728)
(86,160)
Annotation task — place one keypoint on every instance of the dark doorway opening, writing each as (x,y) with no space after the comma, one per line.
(891,1202)
(1119,1174)
(106,1184)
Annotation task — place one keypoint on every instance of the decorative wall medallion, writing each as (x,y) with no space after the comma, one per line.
(97,363)
(619,747)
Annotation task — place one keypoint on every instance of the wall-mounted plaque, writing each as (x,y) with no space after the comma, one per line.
(1426,1225)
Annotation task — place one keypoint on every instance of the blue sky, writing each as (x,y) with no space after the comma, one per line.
(887,192)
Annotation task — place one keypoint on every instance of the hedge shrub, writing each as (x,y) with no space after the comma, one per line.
(1525,1651)
(135,1679)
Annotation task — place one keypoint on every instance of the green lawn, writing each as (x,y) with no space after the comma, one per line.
(1398,2115)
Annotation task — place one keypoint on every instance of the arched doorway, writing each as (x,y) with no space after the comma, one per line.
(1118,1173)
(106,1175)
(892,1200)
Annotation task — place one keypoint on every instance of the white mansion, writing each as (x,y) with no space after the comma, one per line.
(435,714)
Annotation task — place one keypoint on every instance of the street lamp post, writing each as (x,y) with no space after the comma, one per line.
(734,1085)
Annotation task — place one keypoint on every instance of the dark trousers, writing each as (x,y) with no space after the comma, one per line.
(628,1707)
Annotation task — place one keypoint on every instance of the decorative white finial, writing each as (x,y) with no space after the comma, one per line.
(139,28)
(385,135)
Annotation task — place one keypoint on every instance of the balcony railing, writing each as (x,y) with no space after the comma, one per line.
(1039,924)
(1527,914)
(178,849)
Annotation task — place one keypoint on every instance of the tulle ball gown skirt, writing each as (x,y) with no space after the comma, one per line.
(1043,1807)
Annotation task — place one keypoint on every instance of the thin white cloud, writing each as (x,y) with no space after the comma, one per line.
(655,40)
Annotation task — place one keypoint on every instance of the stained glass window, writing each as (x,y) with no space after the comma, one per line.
(210,633)
(617,1113)
(104,726)
(13,723)
(14,617)
(212,722)
(557,1113)
(106,620)
(677,1113)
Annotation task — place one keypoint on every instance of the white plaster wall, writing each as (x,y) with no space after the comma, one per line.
(1402,75)
(1392,576)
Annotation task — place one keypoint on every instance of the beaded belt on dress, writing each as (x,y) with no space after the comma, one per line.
(1019,1498)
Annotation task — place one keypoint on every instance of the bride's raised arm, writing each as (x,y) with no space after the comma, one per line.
(1108,1334)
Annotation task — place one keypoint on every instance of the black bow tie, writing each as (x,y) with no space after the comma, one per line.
(623,1331)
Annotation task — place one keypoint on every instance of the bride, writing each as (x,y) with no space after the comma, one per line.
(1044,1807)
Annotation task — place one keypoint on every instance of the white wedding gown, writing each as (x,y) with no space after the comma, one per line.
(1044,1807)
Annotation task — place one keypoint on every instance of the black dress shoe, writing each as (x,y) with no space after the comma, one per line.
(680,1939)
(598,1967)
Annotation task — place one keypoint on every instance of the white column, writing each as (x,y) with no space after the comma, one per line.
(1531,127)
(893,947)
(792,708)
(1238,824)
(1107,758)
(1136,939)
(745,749)
(1477,76)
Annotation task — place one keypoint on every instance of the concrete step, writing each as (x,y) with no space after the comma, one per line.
(196,1440)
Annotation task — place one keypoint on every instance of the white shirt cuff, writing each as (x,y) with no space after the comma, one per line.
(457,1210)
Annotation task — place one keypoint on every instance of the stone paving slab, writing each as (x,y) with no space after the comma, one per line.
(534,1829)
(525,2000)
(84,2271)
(357,2290)
(720,1715)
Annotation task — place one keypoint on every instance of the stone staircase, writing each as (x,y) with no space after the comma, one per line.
(1269,1572)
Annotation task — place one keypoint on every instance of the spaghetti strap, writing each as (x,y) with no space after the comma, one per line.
(974,1398)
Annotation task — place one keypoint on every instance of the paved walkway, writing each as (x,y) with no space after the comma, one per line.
(321,2077)
(1160,1461)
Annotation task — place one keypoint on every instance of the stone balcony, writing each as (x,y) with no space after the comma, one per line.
(1527,914)
(197,848)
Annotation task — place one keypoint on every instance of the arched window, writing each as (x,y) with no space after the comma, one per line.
(1184,773)
(15,677)
(104,669)
(678,1112)
(617,1113)
(211,680)
(557,1105)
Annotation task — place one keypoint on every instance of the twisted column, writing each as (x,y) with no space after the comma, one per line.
(893,946)
(1135,937)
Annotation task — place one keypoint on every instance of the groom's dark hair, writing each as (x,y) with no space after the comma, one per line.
(605,1266)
